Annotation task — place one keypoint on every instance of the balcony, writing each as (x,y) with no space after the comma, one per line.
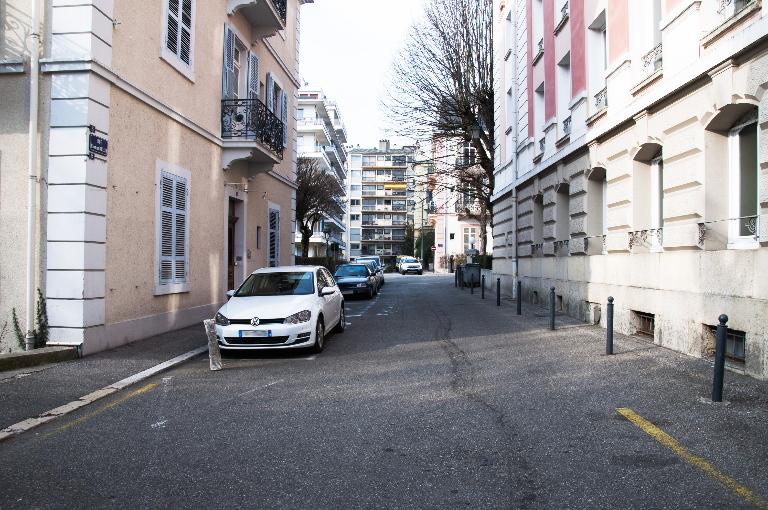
(267,17)
(601,100)
(539,51)
(652,60)
(563,18)
(250,131)
(316,125)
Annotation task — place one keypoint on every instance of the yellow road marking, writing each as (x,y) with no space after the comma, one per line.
(100,410)
(694,460)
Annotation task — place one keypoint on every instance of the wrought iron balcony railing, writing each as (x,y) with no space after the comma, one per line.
(252,120)
(567,126)
(542,144)
(652,60)
(281,6)
(601,99)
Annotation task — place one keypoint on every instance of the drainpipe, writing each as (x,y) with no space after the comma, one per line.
(514,145)
(34,71)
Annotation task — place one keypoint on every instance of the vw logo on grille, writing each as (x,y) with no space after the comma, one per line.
(255,321)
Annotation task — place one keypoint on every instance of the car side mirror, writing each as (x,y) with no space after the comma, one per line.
(230,293)
(327,291)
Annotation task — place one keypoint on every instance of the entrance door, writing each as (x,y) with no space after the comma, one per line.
(231,235)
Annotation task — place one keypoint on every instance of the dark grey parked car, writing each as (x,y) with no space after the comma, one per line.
(356,280)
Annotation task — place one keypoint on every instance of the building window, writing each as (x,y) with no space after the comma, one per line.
(743,181)
(538,219)
(354,217)
(657,193)
(354,234)
(179,34)
(355,174)
(274,238)
(172,229)
(354,202)
(355,187)
(563,83)
(354,246)
(470,238)
(597,45)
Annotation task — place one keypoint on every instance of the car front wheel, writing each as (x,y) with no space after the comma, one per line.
(319,336)
(342,325)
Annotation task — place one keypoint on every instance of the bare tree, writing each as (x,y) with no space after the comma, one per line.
(442,86)
(318,193)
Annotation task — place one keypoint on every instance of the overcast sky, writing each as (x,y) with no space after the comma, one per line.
(347,47)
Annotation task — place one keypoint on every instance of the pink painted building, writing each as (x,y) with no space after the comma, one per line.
(628,164)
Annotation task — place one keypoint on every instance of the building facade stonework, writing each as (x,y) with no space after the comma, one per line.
(195,101)
(632,164)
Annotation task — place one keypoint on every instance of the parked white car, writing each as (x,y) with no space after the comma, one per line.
(410,265)
(282,308)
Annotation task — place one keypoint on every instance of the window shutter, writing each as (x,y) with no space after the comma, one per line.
(174,229)
(185,42)
(180,231)
(284,115)
(253,76)
(270,93)
(166,228)
(172,27)
(229,62)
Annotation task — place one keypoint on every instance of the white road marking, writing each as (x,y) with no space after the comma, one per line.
(260,388)
(160,424)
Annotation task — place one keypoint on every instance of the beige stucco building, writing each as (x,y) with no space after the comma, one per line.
(632,164)
(195,189)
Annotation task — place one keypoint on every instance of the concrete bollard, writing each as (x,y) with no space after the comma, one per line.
(717,385)
(609,328)
(498,291)
(552,308)
(519,297)
(214,354)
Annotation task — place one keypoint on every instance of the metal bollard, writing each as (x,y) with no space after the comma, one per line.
(214,354)
(717,386)
(552,308)
(519,297)
(498,291)
(455,278)
(609,328)
(482,287)
(471,284)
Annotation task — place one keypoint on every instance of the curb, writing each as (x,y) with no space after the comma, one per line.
(90,398)
(26,359)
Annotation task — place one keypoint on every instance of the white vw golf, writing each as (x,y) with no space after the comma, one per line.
(282,308)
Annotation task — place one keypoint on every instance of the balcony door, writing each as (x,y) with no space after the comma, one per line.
(241,69)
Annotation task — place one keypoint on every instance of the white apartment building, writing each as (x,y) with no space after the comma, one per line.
(630,165)
(380,200)
(322,137)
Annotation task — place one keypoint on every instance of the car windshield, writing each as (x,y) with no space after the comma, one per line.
(409,260)
(276,284)
(351,271)
(369,261)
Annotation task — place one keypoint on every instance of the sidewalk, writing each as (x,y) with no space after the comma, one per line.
(29,392)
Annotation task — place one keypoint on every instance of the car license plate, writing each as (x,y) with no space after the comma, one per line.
(260,333)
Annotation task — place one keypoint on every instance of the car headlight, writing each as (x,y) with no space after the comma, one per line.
(362,284)
(298,318)
(221,320)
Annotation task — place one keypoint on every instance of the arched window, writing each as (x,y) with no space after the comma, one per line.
(743,201)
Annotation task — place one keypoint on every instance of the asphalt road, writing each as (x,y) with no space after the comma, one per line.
(432,398)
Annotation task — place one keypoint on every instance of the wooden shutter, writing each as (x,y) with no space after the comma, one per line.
(270,93)
(180,231)
(229,64)
(284,115)
(185,38)
(172,27)
(166,228)
(253,76)
(174,229)
(178,33)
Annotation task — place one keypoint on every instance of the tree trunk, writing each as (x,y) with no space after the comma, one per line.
(306,234)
